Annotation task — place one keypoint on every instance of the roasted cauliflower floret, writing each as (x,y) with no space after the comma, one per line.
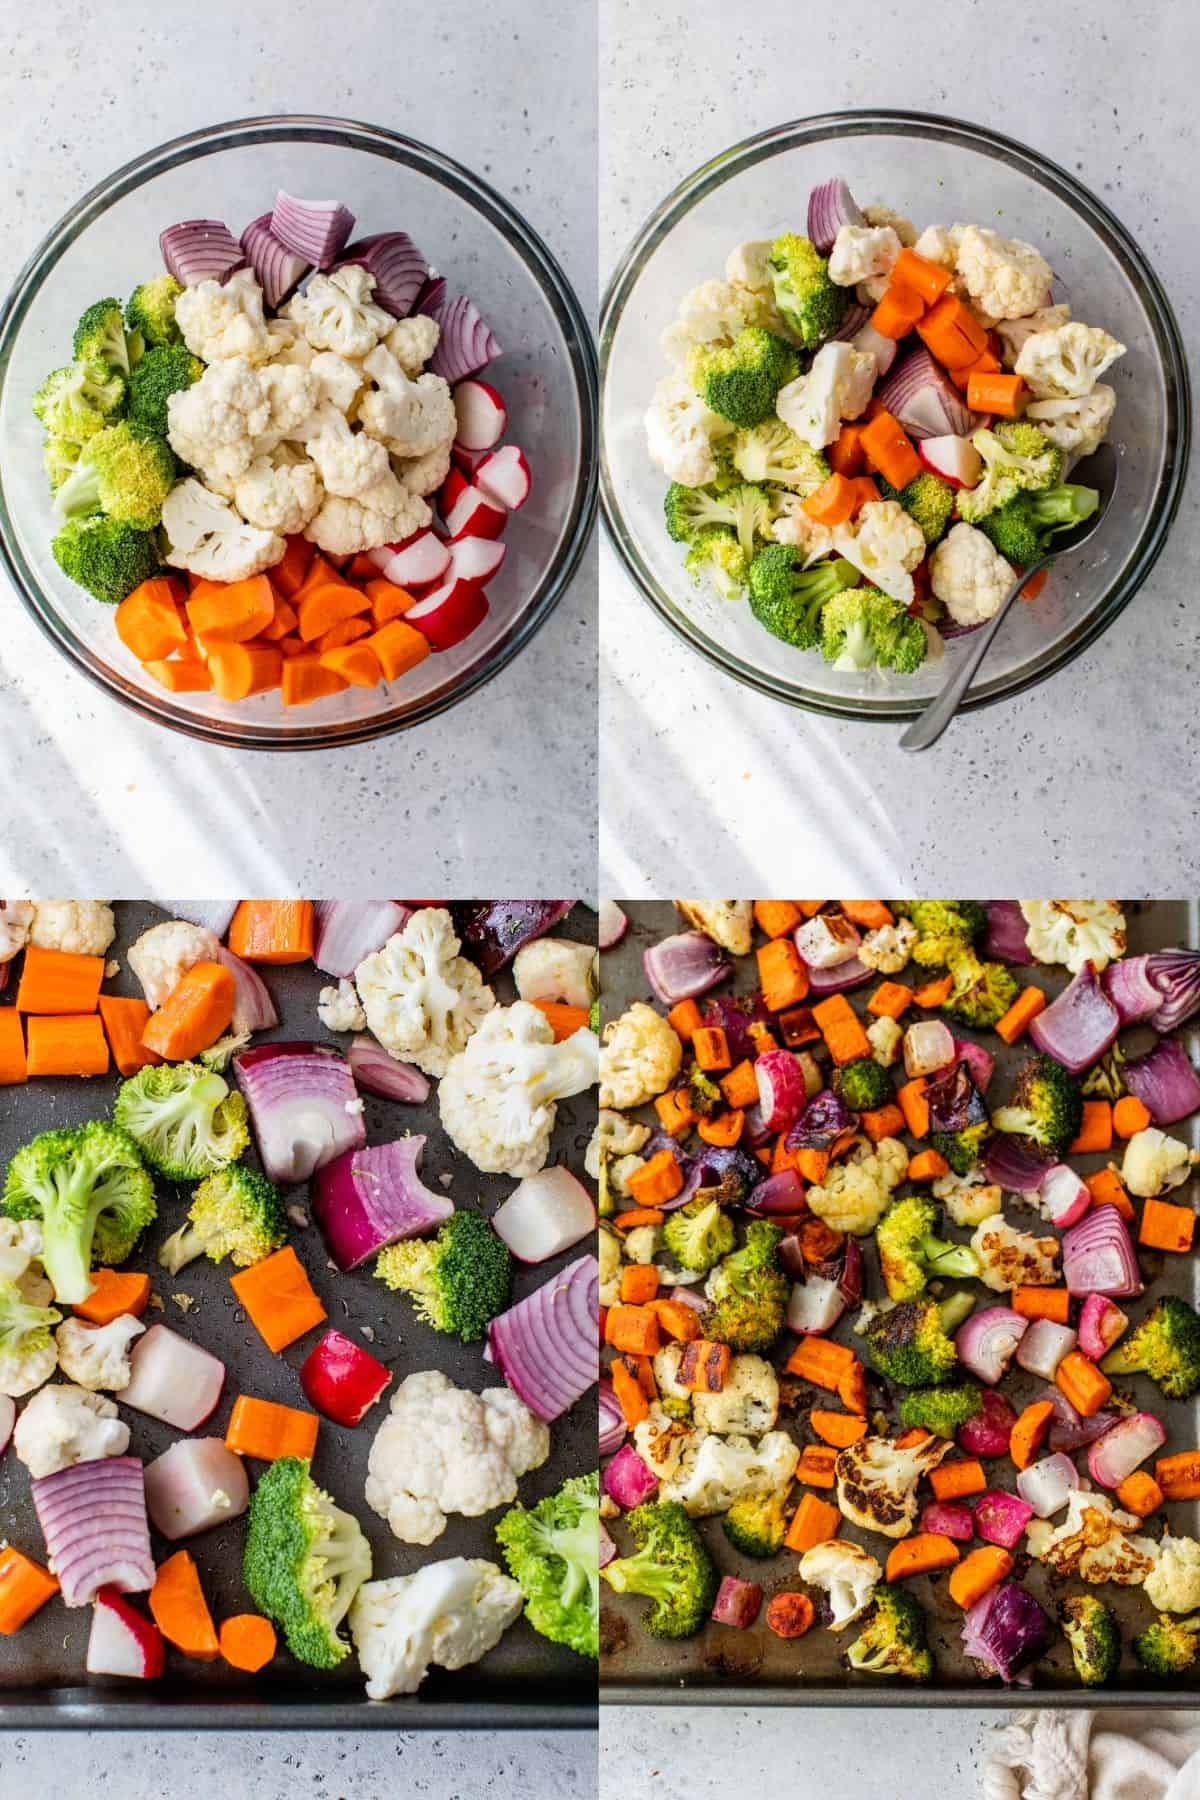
(968,1199)
(714,1471)
(849,1575)
(1173,1585)
(888,948)
(639,1058)
(1073,932)
(1009,1258)
(855,1193)
(614,1136)
(1093,1542)
(747,1405)
(729,923)
(877,1482)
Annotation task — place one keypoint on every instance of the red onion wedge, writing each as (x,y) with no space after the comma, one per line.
(173,1379)
(815,1306)
(1047,1484)
(194,1486)
(432,296)
(781,1091)
(1130,987)
(1099,1257)
(830,206)
(1164,1081)
(303,1104)
(613,924)
(122,1640)
(467,343)
(1006,938)
(850,974)
(855,319)
(684,965)
(93,1518)
(379,1073)
(979,1061)
(1069,1430)
(544,1215)
(372,1196)
(1177,975)
(1101,1323)
(1015,1163)
(1043,1347)
(989,1431)
(1001,1518)
(277,269)
(628,1480)
(8,1418)
(780,1194)
(492,931)
(316,229)
(1006,1630)
(949,1518)
(988,1340)
(1078,1027)
(608,1549)
(481,414)
(1063,1196)
(349,930)
(922,396)
(612,1420)
(1118,1453)
(397,265)
(199,250)
(253,1007)
(929,1045)
(738,1603)
(873,343)
(546,1345)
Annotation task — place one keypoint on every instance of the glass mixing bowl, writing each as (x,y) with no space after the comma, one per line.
(109,242)
(934,171)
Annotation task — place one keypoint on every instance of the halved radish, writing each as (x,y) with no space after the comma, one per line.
(173,1380)
(481,415)
(419,559)
(613,924)
(474,514)
(452,490)
(8,1418)
(467,461)
(504,477)
(476,558)
(955,459)
(449,614)
(122,1640)
(544,1214)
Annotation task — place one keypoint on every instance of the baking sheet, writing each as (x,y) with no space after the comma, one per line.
(721,1666)
(525,1680)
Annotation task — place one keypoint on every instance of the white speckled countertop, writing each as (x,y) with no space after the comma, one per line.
(707,787)
(104,802)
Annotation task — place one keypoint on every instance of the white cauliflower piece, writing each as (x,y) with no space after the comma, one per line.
(713,1472)
(748,1404)
(20,1247)
(443,1450)
(640,1057)
(411,417)
(888,948)
(792,525)
(968,1199)
(421,998)
(885,1037)
(384,514)
(879,215)
(336,312)
(877,1482)
(552,968)
(339,381)
(968,575)
(220,320)
(609,1257)
(1006,277)
(63,1425)
(204,534)
(1073,932)
(849,1575)
(497,1097)
(861,252)
(412,341)
(729,923)
(16,917)
(855,1193)
(643,1243)
(97,1356)
(1093,1542)
(662,1441)
(291,346)
(28,1355)
(749,266)
(615,1135)
(1009,1258)
(1015,333)
(339,1009)
(162,956)
(449,1613)
(939,244)
(349,462)
(1154,1163)
(838,386)
(293,395)
(679,433)
(1066,363)
(80,927)
(718,310)
(666,1378)
(886,544)
(424,474)
(1173,1585)
(1077,427)
(279,496)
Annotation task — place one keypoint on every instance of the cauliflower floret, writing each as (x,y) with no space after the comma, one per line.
(729,923)
(1154,1163)
(421,998)
(411,417)
(666,1379)
(968,575)
(338,1008)
(662,1441)
(716,310)
(21,1246)
(449,1613)
(1004,276)
(643,1243)
(615,1135)
(1077,427)
(1173,1585)
(384,514)
(968,1199)
(292,348)
(886,544)
(424,474)
(904,229)
(640,1057)
(220,320)
(412,341)
(1010,1258)
(16,917)
(713,1472)
(497,1097)
(164,954)
(1092,1542)
(855,1193)
(861,252)
(837,386)
(28,1355)
(293,395)
(556,969)
(204,534)
(80,927)
(1066,363)
(278,496)
(749,266)
(442,1450)
(888,948)
(97,1356)
(939,244)
(620,1171)
(848,1573)
(350,462)
(877,1482)
(1073,932)
(747,1405)
(792,525)
(339,381)
(885,1037)
(1015,333)
(63,1425)
(336,312)
(609,1256)
(679,433)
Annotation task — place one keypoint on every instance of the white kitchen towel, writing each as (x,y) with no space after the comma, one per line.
(1095,1756)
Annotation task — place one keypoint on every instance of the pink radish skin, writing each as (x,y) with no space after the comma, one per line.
(122,1640)
(418,561)
(613,924)
(473,514)
(504,477)
(476,559)
(173,1380)
(468,461)
(8,1418)
(449,614)
(481,415)
(955,459)
(545,1214)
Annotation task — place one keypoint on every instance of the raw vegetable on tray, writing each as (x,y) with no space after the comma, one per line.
(248,455)
(867,431)
(894,1201)
(202,1145)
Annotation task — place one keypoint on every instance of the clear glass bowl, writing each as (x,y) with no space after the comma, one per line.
(109,242)
(935,171)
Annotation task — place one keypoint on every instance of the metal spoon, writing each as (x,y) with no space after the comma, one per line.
(1098,471)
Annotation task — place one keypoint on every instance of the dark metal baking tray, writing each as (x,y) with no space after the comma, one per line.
(525,1680)
(721,1667)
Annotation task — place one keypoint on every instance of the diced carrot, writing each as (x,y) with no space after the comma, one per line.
(59,981)
(1030,1430)
(840,1027)
(1166,1227)
(628,1390)
(797,1026)
(921,1554)
(832,503)
(639,1283)
(782,974)
(1096,1130)
(1021,1014)
(865,492)
(60,1045)
(740,1086)
(704,1366)
(638,1215)
(871,915)
(388,601)
(115,1292)
(677,1319)
(197,1011)
(318,608)
(279,1298)
(724,1131)
(124,1022)
(926,278)
(881,1121)
(845,456)
(399,648)
(182,675)
(777,918)
(321,573)
(852,1388)
(957,1479)
(907,1440)
(710,1047)
(1106,1189)
(247,1642)
(305,678)
(1035,584)
(789,1614)
(233,613)
(355,663)
(288,575)
(1003,395)
(933,993)
(282,625)
(267,1430)
(814,1522)
(675,1112)
(360,568)
(927,1165)
(180,1610)
(1178,1476)
(820,1361)
(897,312)
(811,1163)
(1130,1115)
(150,622)
(633,1328)
(273,931)
(239,670)
(684,1018)
(346,631)
(14,1068)
(986,363)
(841,1429)
(912,1103)
(1085,1386)
(889,450)
(951,333)
(658,1179)
(1052,1303)
(978,1573)
(25,1587)
(891,1000)
(1139,1493)
(816,1464)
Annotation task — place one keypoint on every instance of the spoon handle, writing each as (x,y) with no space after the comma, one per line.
(925,731)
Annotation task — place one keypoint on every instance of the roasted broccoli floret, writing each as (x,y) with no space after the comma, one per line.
(105,556)
(894,1641)
(1016,456)
(786,598)
(1091,1630)
(745,507)
(962,1149)
(982,991)
(748,1292)
(150,310)
(305,1559)
(1046,1105)
(79,400)
(940,1409)
(87,1186)
(756,1524)
(866,628)
(864,1084)
(704,1096)
(810,304)
(909,1344)
(100,338)
(671,1567)
(910,1252)
(185,1121)
(1170,1646)
(163,371)
(1165,1346)
(943,927)
(124,471)
(740,380)
(458,1280)
(552,1551)
(927,499)
(698,1235)
(716,552)
(772,452)
(236,1213)
(1023,529)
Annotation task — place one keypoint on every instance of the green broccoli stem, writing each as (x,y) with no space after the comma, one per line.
(955,1308)
(80,492)
(182,1247)
(944,1258)
(641,1574)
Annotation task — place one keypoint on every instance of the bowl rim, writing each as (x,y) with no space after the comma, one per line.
(556,290)
(1151,293)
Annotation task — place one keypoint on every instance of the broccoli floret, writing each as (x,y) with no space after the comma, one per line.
(943,927)
(150,310)
(1046,1105)
(716,552)
(163,371)
(184,1120)
(757,1523)
(748,1292)
(1016,456)
(704,1096)
(104,556)
(940,1409)
(1023,529)
(864,1084)
(698,1235)
(236,1213)
(1165,1346)
(77,401)
(740,380)
(772,452)
(982,991)
(867,628)
(809,303)
(1169,1646)
(87,1186)
(745,507)
(458,1280)
(60,458)
(786,598)
(909,1344)
(962,1149)
(894,1641)
(24,1328)
(927,499)
(305,1560)
(552,1552)
(909,1251)
(671,1567)
(100,337)
(124,471)
(1095,1639)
